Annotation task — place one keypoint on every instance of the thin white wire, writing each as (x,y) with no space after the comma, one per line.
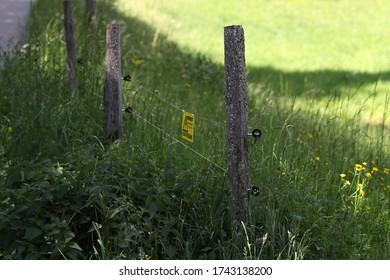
(156,94)
(180,142)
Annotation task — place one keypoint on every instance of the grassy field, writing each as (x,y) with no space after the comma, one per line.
(332,46)
(318,82)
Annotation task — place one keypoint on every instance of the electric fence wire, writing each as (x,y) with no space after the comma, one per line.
(156,93)
(178,141)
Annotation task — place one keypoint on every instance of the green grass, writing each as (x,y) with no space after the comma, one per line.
(336,46)
(288,35)
(65,195)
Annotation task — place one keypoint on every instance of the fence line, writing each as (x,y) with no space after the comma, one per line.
(177,140)
(155,93)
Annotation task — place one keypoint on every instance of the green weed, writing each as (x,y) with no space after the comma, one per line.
(152,196)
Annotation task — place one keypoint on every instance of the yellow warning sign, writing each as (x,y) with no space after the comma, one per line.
(188,126)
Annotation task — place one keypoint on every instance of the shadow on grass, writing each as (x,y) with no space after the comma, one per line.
(142,39)
(328,81)
(166,67)
(159,64)
(165,63)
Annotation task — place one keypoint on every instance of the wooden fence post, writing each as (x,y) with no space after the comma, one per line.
(113,85)
(71,53)
(91,10)
(237,126)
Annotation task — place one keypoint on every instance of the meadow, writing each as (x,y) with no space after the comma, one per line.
(318,88)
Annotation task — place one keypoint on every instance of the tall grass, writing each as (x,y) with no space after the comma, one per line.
(149,195)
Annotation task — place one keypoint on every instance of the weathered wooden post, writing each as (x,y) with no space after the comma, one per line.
(91,10)
(112,85)
(71,53)
(237,126)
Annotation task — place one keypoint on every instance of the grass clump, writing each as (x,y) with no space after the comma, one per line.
(322,164)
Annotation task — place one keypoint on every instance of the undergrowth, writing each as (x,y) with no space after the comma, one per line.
(323,177)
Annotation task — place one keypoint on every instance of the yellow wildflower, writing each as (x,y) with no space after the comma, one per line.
(343,175)
(359,167)
(347,183)
(368,175)
(137,61)
(318,158)
(375,169)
